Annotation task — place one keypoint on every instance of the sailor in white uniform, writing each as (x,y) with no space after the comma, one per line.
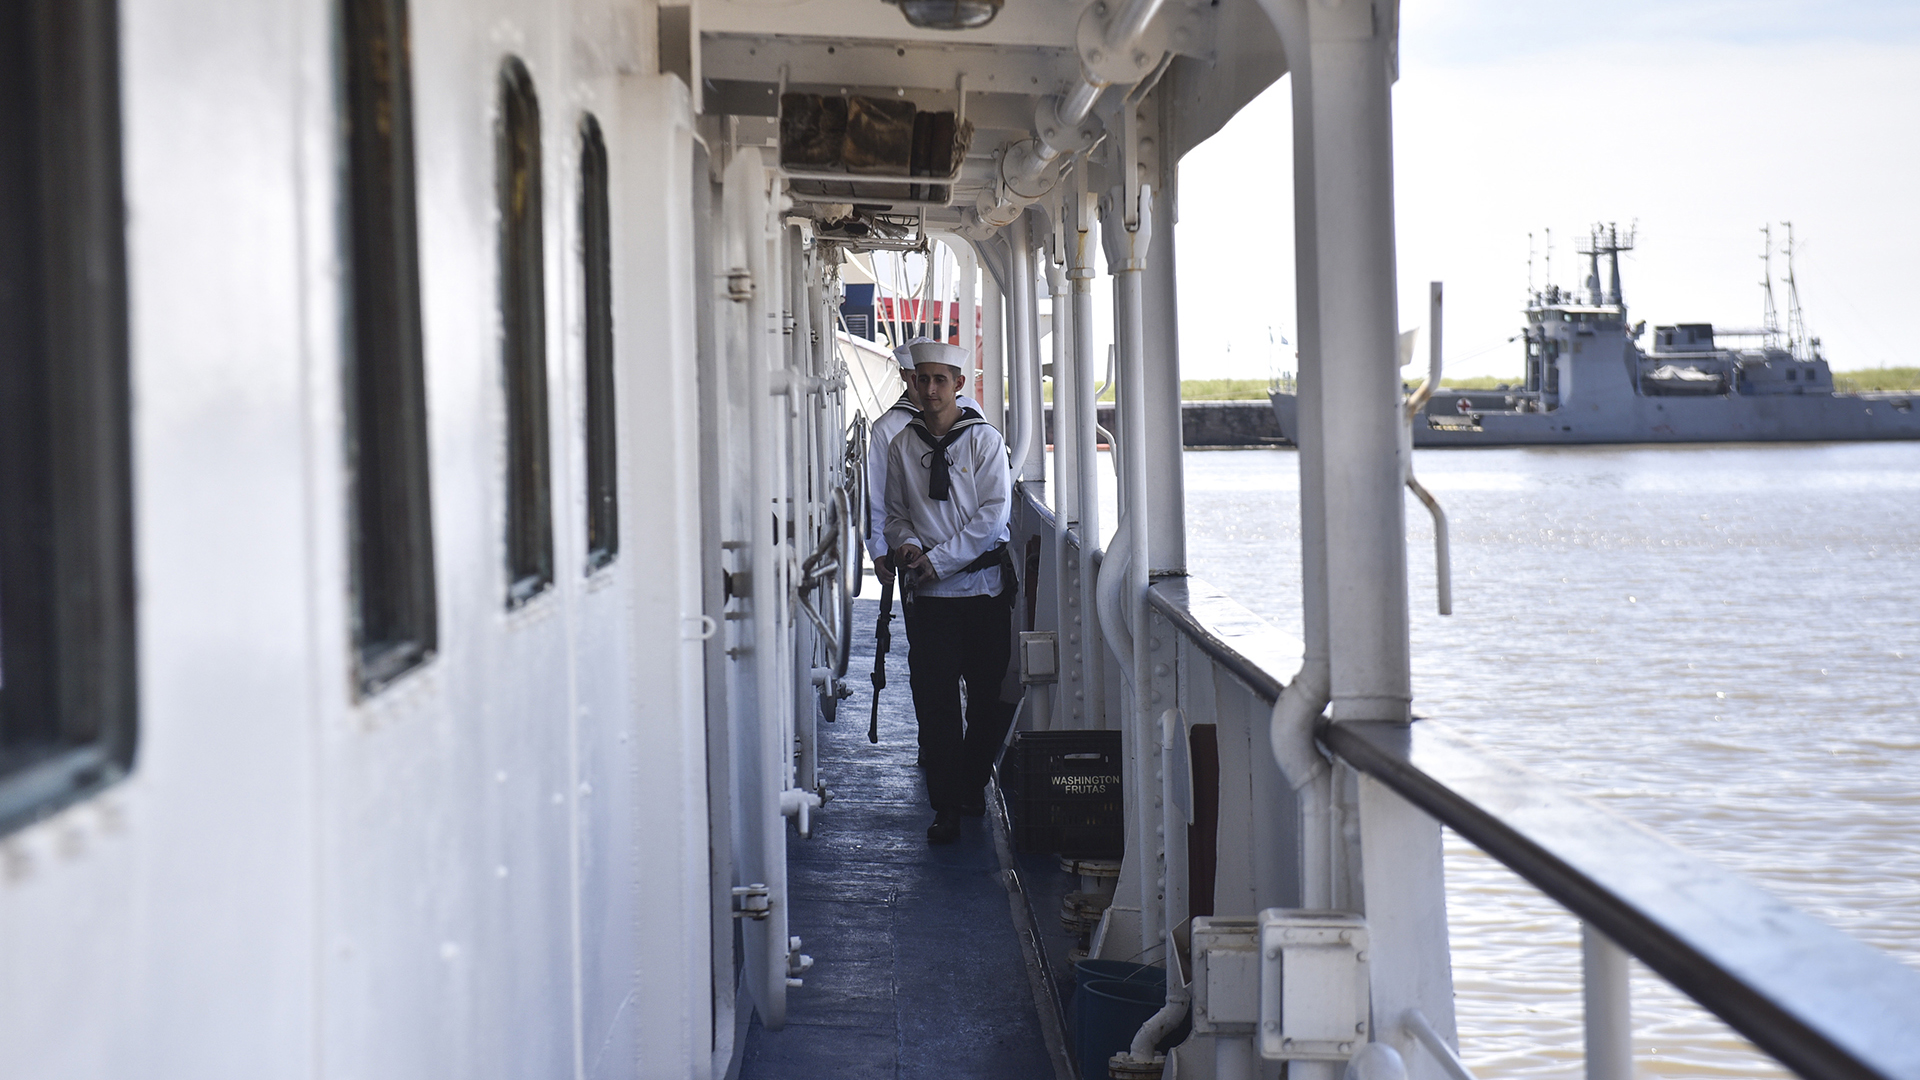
(879,437)
(949,494)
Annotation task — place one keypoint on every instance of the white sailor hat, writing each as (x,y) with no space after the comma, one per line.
(904,354)
(926,351)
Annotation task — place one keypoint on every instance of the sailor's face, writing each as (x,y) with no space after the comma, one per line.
(938,385)
(913,392)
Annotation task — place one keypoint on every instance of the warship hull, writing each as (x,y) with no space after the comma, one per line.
(1722,418)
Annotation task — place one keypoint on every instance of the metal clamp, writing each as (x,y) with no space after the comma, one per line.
(752,901)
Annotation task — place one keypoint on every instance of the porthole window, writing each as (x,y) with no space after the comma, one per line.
(596,256)
(523,337)
(390,520)
(68,687)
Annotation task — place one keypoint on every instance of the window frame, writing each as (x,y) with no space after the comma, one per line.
(69,686)
(596,277)
(523,349)
(394,606)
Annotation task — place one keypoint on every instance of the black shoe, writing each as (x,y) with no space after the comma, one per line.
(945,828)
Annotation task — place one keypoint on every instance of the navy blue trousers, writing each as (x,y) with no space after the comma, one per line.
(954,641)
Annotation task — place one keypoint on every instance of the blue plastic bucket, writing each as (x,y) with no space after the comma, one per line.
(1110,1012)
(1086,971)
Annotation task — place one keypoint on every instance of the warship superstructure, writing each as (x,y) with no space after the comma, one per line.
(1588,380)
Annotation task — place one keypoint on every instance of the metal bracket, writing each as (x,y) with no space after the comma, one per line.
(798,963)
(1039,657)
(1314,985)
(1226,975)
(752,901)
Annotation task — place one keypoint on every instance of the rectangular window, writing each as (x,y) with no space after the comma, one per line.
(523,348)
(596,255)
(391,523)
(68,688)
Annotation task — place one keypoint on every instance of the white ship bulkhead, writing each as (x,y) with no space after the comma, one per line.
(474,503)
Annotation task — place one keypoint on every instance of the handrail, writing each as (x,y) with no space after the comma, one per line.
(1822,1003)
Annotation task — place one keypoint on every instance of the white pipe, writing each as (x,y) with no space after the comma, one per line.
(1113,572)
(1066,496)
(1442,541)
(1020,339)
(1127,249)
(1609,1007)
(1416,1022)
(992,389)
(969,325)
(1036,463)
(1131,22)
(1234,1058)
(1368,639)
(1162,435)
(1290,735)
(1172,874)
(1081,237)
(1027,162)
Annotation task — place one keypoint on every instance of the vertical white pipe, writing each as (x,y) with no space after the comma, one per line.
(1360,383)
(991,392)
(1130,249)
(1165,442)
(1402,887)
(1609,1007)
(1066,468)
(1036,464)
(1081,238)
(1019,344)
(969,327)
(1066,499)
(1234,1058)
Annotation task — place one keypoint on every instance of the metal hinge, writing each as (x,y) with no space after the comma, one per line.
(752,901)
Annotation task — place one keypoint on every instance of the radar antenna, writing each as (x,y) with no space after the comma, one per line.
(1609,241)
(1771,321)
(1796,322)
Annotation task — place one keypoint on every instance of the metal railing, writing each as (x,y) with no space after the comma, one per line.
(1820,1002)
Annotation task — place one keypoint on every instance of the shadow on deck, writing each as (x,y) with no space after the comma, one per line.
(919,968)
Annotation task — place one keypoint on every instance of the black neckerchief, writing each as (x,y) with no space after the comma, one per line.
(939,479)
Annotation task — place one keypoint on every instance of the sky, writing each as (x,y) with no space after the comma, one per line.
(1695,122)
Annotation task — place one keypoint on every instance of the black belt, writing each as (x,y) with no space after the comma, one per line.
(996,555)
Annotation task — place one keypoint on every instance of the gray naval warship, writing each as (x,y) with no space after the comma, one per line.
(1588,381)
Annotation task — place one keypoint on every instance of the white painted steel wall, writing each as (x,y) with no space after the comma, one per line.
(496,867)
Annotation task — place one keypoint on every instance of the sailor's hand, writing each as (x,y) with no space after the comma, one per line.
(912,556)
(883,569)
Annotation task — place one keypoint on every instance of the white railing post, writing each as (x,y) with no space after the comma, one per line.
(1608,1006)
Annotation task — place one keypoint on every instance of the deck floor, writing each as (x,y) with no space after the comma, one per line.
(918,968)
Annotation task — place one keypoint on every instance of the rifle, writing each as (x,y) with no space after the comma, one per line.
(882,641)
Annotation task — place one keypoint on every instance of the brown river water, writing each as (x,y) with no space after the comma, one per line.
(1720,642)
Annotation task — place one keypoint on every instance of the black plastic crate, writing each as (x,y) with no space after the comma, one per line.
(1063,793)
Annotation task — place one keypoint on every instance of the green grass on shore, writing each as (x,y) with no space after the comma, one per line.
(1886,378)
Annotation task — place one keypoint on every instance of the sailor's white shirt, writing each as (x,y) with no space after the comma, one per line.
(955,531)
(879,438)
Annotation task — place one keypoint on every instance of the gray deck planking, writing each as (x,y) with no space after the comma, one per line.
(918,973)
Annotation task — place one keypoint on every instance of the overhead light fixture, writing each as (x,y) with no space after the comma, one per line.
(949,14)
